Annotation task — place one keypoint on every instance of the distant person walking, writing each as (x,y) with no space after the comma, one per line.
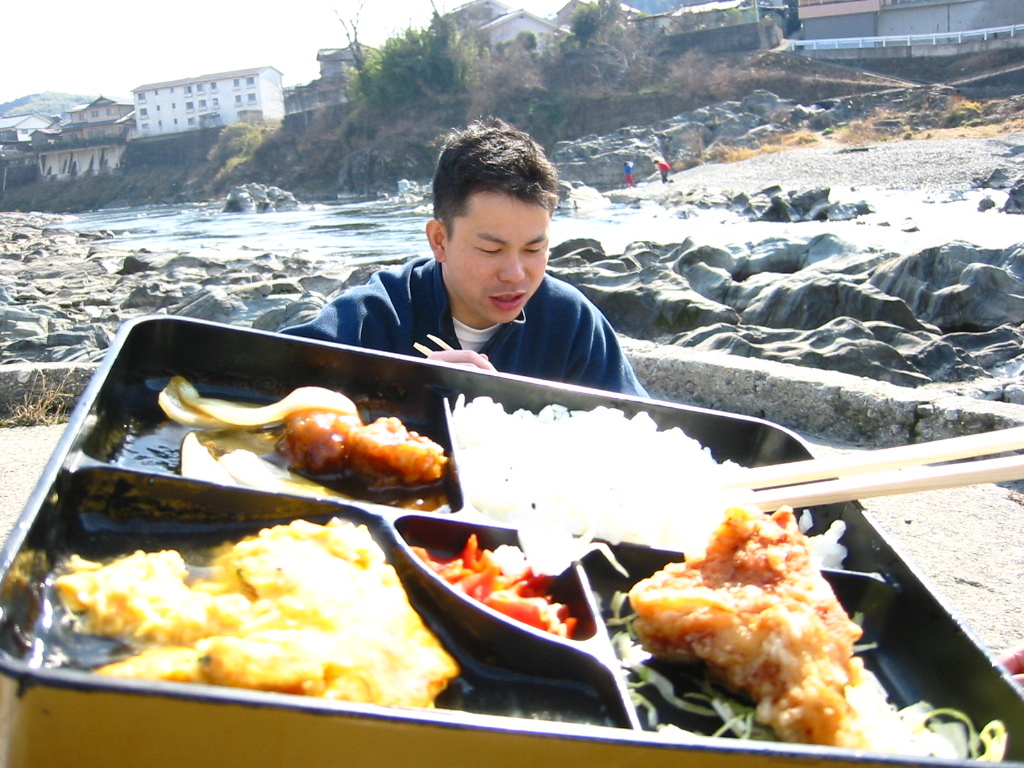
(627,170)
(663,169)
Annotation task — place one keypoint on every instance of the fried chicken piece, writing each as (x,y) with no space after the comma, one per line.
(386,449)
(317,441)
(757,611)
(384,452)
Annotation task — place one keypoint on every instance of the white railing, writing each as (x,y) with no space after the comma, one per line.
(896,41)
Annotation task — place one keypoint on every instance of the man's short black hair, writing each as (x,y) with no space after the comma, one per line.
(491,156)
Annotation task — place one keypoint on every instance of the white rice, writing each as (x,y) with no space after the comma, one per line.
(597,474)
(594,473)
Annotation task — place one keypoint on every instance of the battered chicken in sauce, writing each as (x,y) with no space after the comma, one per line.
(321,433)
(757,611)
(385,451)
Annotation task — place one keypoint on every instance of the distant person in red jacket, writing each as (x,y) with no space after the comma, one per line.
(627,170)
(663,169)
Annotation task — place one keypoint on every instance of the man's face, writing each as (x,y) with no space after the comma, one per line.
(494,257)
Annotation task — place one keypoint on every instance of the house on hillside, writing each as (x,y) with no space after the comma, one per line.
(475,14)
(337,63)
(18,129)
(508,27)
(17,160)
(492,23)
(718,25)
(92,141)
(826,19)
(99,118)
(328,90)
(243,95)
(563,18)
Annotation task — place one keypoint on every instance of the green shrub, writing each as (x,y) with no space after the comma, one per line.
(963,112)
(237,144)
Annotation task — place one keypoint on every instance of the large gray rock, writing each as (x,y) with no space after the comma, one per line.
(876,350)
(210,303)
(259,198)
(597,160)
(806,304)
(651,303)
(998,350)
(958,287)
(682,140)
(1015,199)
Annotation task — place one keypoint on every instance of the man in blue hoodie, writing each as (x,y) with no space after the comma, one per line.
(485,291)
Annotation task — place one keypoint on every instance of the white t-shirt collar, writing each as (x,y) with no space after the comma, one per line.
(473,338)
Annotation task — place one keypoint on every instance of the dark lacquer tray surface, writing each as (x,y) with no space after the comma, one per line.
(113,487)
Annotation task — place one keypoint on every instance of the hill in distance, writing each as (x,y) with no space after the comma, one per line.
(45,104)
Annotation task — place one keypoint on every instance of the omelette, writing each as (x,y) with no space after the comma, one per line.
(301,608)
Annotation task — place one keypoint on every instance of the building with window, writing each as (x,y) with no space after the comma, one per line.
(493,23)
(100,117)
(506,28)
(18,129)
(92,141)
(244,95)
(880,18)
(330,89)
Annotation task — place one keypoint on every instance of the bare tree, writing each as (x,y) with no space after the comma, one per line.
(350,24)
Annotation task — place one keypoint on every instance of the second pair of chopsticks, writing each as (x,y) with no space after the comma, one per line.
(426,351)
(884,472)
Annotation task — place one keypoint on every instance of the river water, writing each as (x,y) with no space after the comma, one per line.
(370,230)
(361,230)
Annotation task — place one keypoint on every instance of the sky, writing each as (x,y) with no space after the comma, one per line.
(109,47)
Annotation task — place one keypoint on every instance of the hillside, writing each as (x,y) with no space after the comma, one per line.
(45,104)
(368,147)
(368,151)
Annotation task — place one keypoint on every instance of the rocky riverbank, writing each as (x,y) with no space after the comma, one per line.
(947,317)
(949,313)
(691,139)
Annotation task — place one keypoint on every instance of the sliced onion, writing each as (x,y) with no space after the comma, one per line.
(197,463)
(181,402)
(249,470)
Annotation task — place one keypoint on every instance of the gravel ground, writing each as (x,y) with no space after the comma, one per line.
(965,542)
(897,165)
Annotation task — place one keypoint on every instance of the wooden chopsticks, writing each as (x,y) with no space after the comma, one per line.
(424,350)
(884,472)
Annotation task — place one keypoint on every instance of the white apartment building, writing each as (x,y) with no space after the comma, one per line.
(244,95)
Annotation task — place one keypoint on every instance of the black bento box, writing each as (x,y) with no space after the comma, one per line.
(523,698)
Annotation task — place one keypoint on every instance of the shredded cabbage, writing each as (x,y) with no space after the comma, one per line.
(943,732)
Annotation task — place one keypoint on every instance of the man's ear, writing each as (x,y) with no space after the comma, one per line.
(437,236)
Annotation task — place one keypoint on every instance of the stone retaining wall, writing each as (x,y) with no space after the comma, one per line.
(822,404)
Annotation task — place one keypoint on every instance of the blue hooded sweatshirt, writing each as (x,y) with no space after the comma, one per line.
(560,335)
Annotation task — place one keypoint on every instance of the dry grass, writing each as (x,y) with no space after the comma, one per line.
(884,125)
(961,119)
(781,143)
(986,131)
(44,402)
(961,123)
